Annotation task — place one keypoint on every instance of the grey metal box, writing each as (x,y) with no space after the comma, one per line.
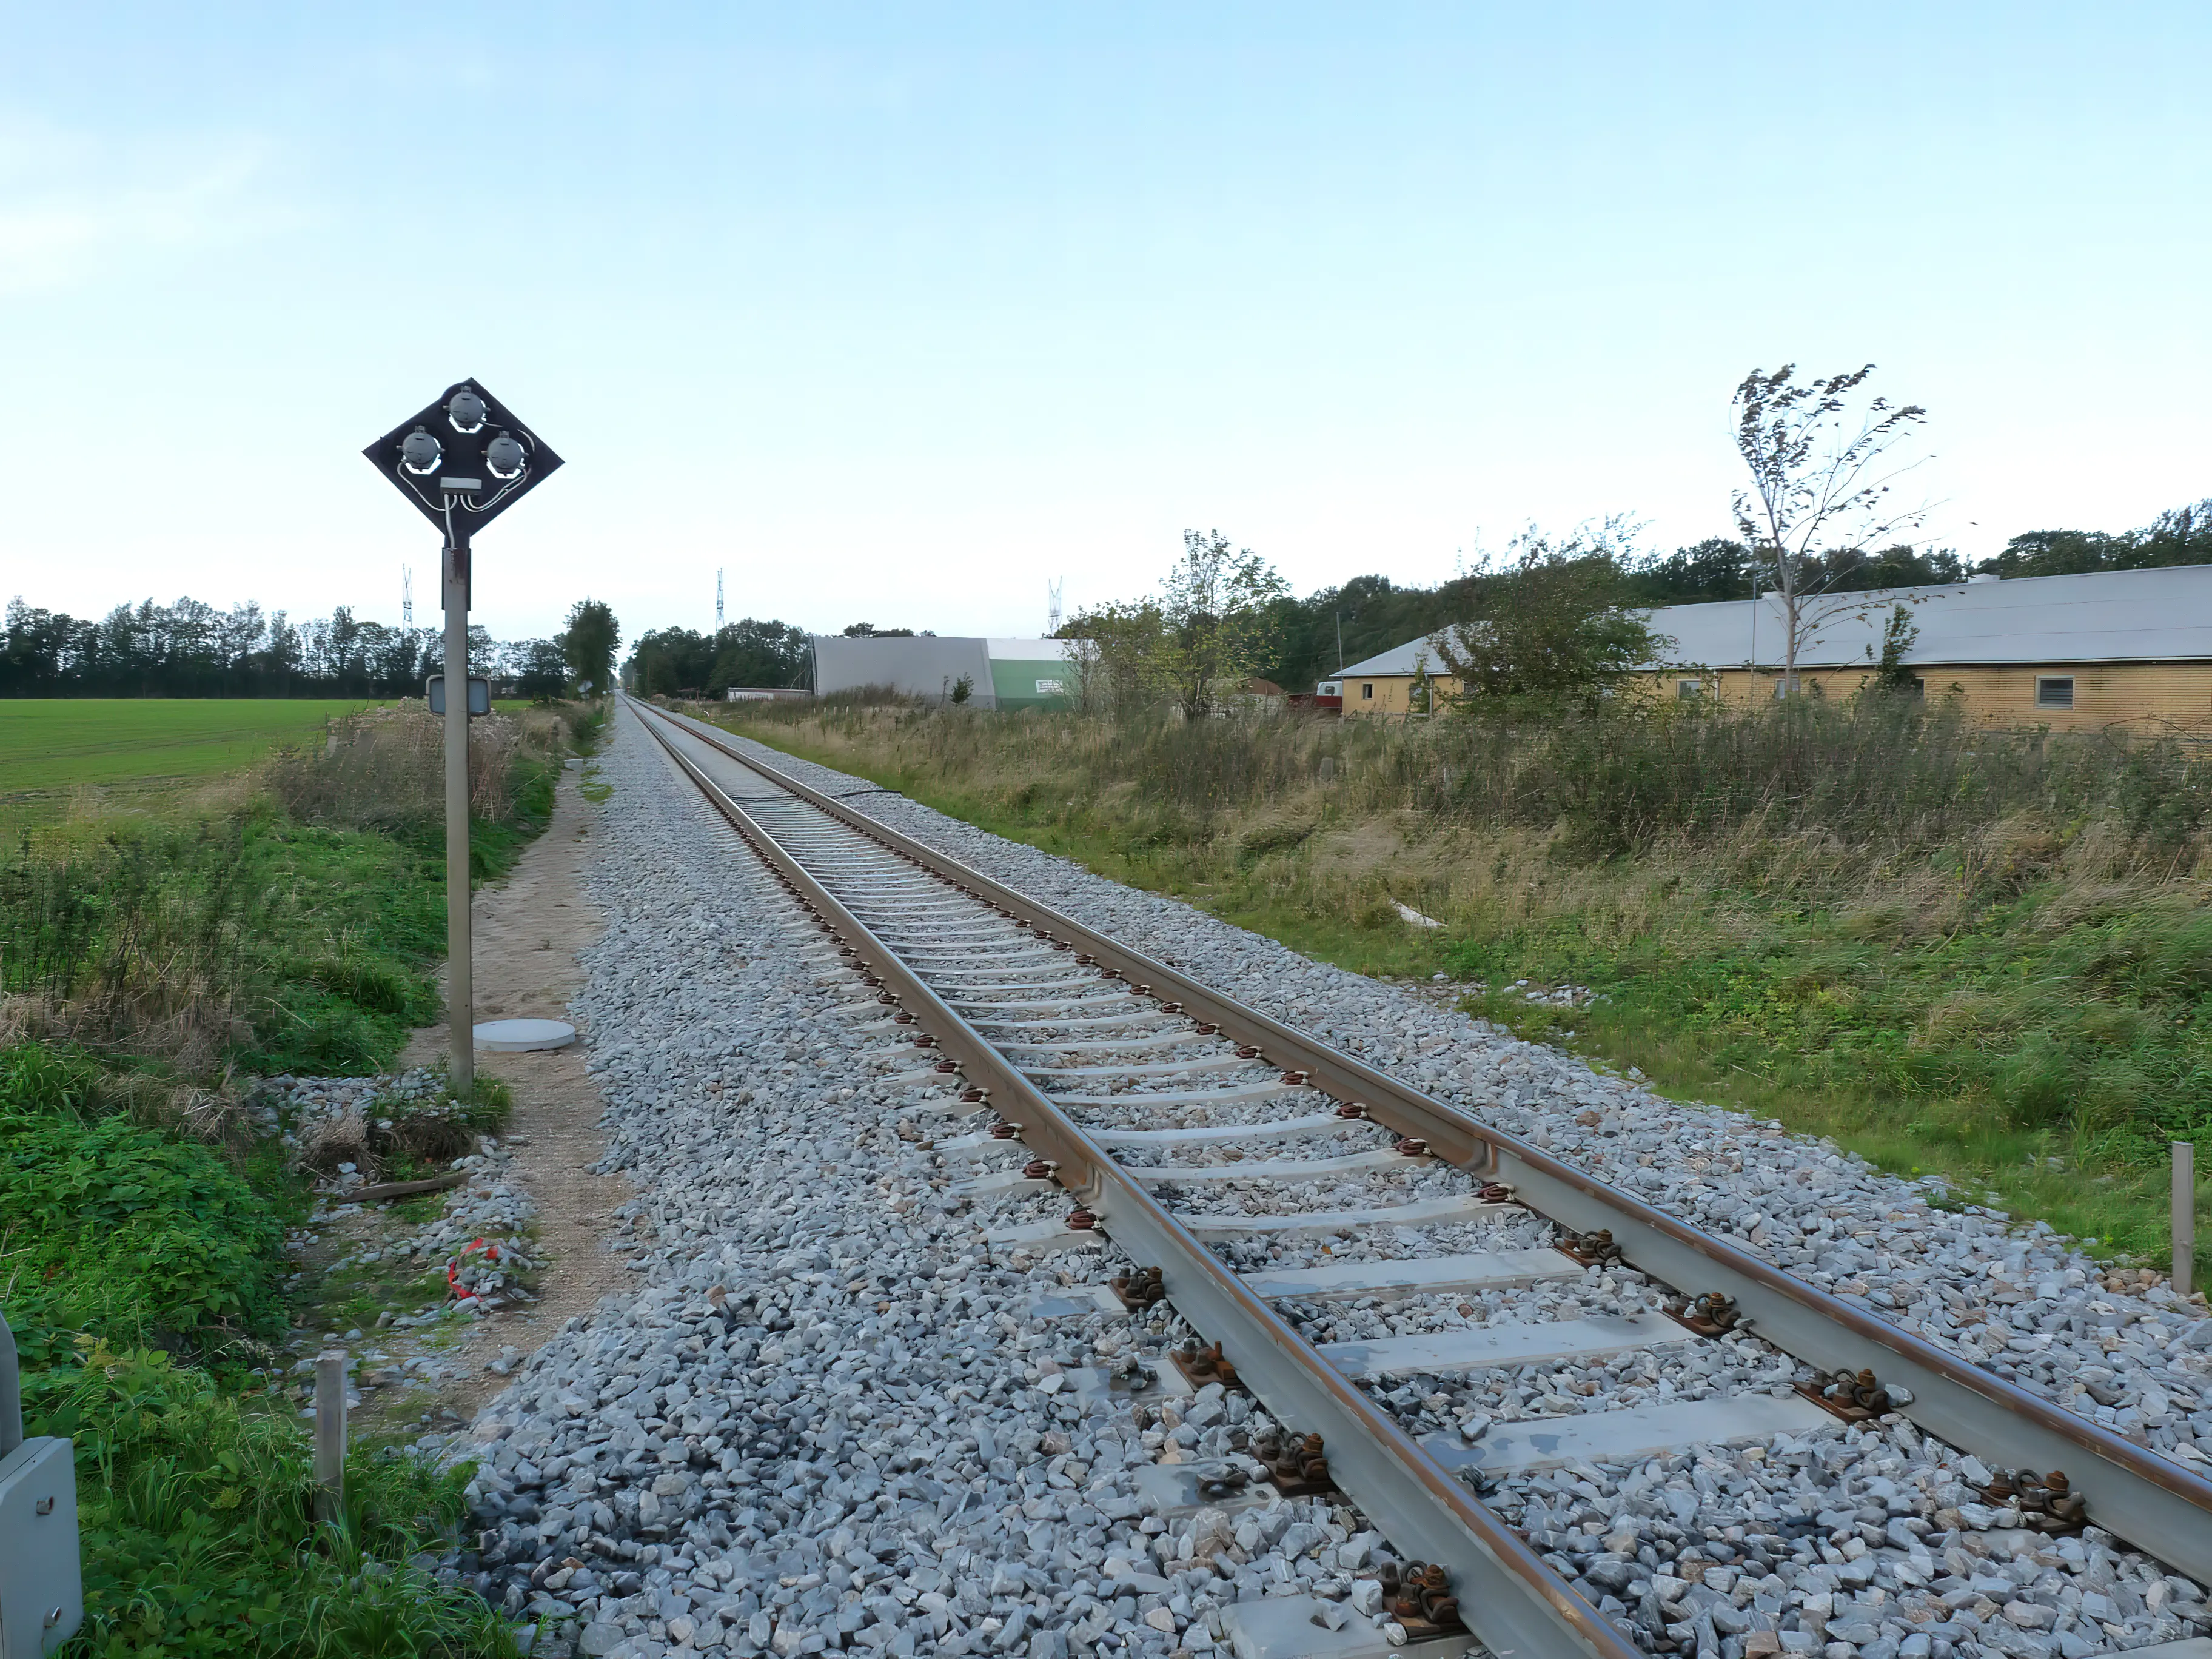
(41,1586)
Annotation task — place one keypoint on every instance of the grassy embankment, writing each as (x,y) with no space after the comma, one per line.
(141,751)
(150,966)
(1963,954)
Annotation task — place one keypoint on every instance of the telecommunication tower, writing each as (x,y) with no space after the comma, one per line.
(1052,590)
(407,596)
(718,598)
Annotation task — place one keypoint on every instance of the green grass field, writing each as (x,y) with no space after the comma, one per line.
(53,744)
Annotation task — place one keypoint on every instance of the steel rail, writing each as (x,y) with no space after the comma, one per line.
(2150,1500)
(1509,1598)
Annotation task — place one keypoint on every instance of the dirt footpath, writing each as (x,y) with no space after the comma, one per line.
(528,931)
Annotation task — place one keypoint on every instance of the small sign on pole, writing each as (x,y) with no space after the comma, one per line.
(479,693)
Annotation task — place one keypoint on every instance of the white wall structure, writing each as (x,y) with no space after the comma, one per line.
(1005,674)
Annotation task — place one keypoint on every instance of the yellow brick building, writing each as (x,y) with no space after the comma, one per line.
(2131,649)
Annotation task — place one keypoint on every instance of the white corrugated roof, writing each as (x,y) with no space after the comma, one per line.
(2106,615)
(2162,615)
(1405,659)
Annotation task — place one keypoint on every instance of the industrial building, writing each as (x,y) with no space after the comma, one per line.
(1002,674)
(2129,648)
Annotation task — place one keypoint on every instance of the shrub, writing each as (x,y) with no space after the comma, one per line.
(122,1229)
(199,1532)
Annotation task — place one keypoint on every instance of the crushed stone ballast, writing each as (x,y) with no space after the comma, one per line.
(1518,1300)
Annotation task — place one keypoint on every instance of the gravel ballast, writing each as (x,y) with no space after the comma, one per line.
(2039,1310)
(825,1418)
(830,1417)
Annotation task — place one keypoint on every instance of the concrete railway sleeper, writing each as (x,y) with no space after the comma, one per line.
(949,947)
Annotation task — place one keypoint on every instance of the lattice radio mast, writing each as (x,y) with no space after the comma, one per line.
(1052,590)
(718,598)
(406,596)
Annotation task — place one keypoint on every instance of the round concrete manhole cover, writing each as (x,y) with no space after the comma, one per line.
(515,1036)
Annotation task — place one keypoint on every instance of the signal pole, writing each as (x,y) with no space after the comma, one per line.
(460,943)
(462,462)
(718,599)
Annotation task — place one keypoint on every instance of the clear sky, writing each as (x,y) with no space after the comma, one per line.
(898,312)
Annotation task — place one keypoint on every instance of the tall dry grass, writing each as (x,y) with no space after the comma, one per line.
(1807,793)
(384,768)
(133,943)
(1869,897)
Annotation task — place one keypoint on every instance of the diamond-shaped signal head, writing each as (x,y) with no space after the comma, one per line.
(473,473)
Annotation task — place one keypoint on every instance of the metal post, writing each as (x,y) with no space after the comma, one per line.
(330,1433)
(460,990)
(11,1394)
(2185,1216)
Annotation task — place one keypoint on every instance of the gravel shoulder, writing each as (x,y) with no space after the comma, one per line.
(531,930)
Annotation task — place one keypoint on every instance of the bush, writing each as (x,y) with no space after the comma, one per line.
(583,722)
(123,1230)
(198,1529)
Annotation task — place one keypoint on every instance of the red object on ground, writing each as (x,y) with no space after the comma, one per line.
(454,1266)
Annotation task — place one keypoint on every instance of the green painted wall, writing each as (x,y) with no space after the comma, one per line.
(1016,684)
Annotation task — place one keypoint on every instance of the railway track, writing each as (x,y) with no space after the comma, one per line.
(1110,1094)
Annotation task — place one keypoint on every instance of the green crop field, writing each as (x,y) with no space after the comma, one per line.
(52,744)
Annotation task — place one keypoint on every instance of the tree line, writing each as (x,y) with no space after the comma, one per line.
(1570,602)
(1820,528)
(672,661)
(1556,612)
(190,649)
(2181,535)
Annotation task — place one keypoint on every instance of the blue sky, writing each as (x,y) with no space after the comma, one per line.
(898,312)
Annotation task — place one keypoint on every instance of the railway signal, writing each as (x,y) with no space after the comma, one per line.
(461,462)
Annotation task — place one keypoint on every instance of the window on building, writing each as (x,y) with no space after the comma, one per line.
(1688,688)
(2054,691)
(1367,692)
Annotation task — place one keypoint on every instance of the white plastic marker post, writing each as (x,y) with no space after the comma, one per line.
(2185,1216)
(330,1434)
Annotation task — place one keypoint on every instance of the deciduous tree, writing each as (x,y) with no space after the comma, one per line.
(1822,455)
(588,645)
(542,671)
(1217,622)
(1553,621)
